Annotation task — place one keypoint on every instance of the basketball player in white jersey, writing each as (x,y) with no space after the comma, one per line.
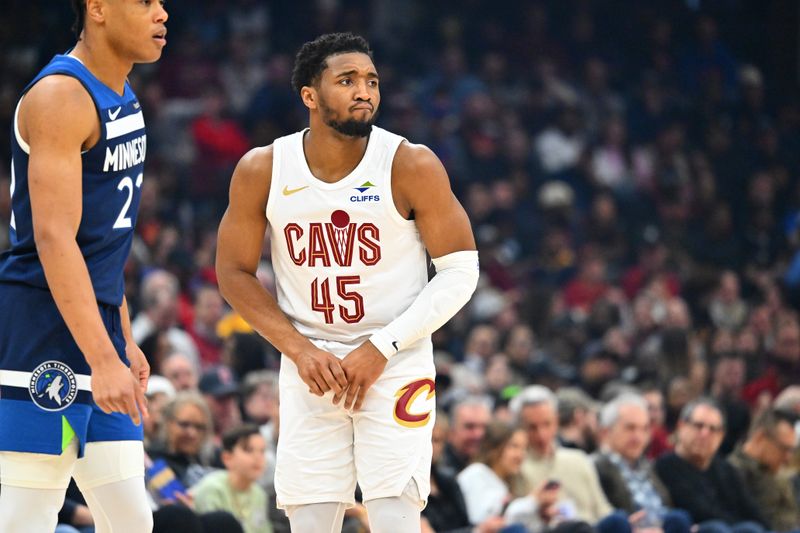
(351,210)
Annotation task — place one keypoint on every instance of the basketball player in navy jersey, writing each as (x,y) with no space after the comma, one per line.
(351,211)
(72,380)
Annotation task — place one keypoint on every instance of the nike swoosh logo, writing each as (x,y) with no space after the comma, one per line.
(287,191)
(115,114)
(394,344)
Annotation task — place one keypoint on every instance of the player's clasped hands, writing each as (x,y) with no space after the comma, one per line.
(116,389)
(349,378)
(362,367)
(321,371)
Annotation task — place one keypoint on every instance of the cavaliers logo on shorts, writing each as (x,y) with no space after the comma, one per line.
(53,386)
(406,396)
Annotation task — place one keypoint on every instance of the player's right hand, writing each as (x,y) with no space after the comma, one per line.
(116,390)
(321,371)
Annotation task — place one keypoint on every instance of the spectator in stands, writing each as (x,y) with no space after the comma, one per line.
(537,410)
(159,302)
(260,407)
(701,482)
(220,142)
(493,480)
(520,347)
(244,353)
(221,390)
(626,475)
(659,438)
(482,343)
(768,448)
(784,363)
(234,489)
(186,442)
(208,310)
(589,285)
(577,419)
(726,389)
(446,511)
(727,309)
(159,393)
(180,371)
(559,147)
(468,420)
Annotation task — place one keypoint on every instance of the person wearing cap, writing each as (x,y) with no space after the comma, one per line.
(220,390)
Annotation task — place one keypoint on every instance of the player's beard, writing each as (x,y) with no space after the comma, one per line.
(350,127)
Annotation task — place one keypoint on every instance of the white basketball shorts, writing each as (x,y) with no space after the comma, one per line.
(324,449)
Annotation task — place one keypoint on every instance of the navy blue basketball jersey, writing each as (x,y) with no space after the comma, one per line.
(112,181)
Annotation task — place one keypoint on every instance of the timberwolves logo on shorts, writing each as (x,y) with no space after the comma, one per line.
(53,386)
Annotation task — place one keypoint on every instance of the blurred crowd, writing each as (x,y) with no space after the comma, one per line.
(631,171)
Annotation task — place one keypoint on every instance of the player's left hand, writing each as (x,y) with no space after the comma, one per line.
(140,368)
(362,367)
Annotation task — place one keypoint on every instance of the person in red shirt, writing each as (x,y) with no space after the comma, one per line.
(589,285)
(784,366)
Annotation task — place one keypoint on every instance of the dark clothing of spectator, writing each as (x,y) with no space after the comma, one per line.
(452,462)
(737,422)
(188,470)
(716,493)
(176,519)
(446,511)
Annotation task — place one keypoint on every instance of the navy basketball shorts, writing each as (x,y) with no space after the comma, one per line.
(45,381)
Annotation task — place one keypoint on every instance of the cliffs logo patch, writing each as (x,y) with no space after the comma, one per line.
(367,193)
(53,386)
(406,396)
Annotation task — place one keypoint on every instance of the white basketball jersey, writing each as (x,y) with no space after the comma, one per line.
(346,263)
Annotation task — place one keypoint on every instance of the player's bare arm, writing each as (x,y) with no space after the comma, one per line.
(140,368)
(58,120)
(421,188)
(239,243)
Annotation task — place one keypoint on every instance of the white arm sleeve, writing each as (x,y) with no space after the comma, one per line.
(447,292)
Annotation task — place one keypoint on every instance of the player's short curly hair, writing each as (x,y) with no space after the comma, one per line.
(79,7)
(311,60)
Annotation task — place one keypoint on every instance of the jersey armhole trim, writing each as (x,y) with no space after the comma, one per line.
(25,146)
(20,141)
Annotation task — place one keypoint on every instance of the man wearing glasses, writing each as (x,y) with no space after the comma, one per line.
(769,447)
(700,482)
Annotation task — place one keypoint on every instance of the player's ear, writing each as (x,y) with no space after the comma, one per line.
(96,10)
(309,96)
